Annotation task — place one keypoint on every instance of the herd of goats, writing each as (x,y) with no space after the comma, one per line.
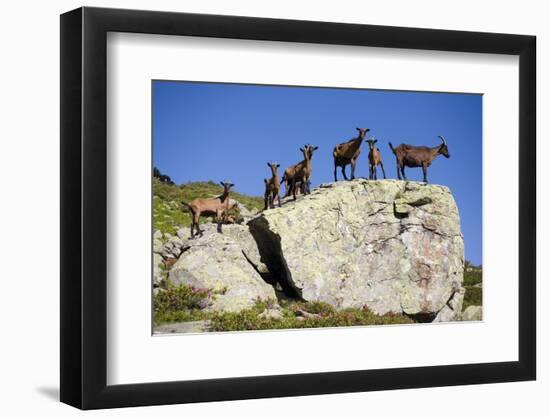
(297,177)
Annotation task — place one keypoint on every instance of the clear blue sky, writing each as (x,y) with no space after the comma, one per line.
(209,131)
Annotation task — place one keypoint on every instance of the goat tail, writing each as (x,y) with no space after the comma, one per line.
(391,147)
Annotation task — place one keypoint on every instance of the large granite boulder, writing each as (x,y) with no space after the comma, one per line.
(393,246)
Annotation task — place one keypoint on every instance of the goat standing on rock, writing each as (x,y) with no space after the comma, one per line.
(347,153)
(299,173)
(272,187)
(219,206)
(418,156)
(375,159)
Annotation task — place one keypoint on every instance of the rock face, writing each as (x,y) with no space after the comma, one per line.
(393,246)
(218,262)
(166,249)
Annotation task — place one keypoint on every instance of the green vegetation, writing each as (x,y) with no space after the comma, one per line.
(183,297)
(473,297)
(473,276)
(317,315)
(184,303)
(177,304)
(181,303)
(168,215)
(473,279)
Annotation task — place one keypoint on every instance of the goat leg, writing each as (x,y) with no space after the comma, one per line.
(195,223)
(287,188)
(219,220)
(344,172)
(425,172)
(352,169)
(199,231)
(305,189)
(403,173)
(383,172)
(335,175)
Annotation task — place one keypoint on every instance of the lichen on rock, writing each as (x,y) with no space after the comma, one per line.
(392,246)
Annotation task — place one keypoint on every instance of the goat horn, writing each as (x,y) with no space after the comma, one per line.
(442,139)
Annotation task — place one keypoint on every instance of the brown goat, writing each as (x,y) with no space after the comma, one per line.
(347,153)
(299,173)
(418,156)
(272,187)
(218,206)
(375,159)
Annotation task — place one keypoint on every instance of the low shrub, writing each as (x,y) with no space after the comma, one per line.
(472,297)
(473,277)
(322,315)
(178,316)
(179,303)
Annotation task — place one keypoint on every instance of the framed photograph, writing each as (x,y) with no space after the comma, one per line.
(257,208)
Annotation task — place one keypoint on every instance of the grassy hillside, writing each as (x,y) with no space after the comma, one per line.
(473,279)
(168,215)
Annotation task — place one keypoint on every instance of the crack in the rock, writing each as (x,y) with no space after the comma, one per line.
(271,254)
(378,211)
(384,280)
(384,240)
(266,276)
(445,235)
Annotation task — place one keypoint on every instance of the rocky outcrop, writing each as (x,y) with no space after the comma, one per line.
(228,264)
(166,250)
(451,310)
(392,246)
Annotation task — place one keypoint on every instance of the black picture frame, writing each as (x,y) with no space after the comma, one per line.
(84,207)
